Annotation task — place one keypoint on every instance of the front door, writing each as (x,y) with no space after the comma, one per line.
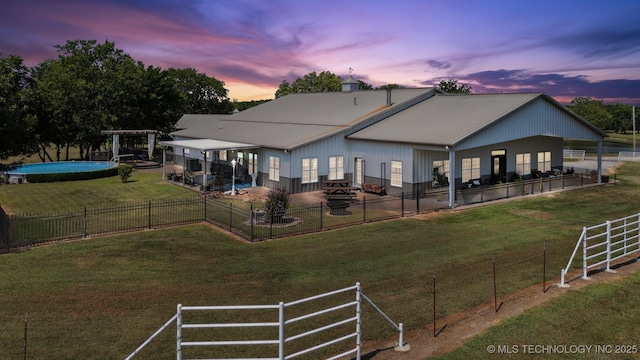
(358,173)
(498,166)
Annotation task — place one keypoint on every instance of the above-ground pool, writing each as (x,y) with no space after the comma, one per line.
(18,174)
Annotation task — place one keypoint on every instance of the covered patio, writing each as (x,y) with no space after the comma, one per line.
(204,151)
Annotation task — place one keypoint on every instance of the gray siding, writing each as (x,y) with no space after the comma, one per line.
(537,118)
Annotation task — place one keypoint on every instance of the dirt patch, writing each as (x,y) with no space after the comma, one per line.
(455,330)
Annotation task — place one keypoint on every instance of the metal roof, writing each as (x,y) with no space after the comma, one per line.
(208,144)
(447,119)
(297,119)
(195,120)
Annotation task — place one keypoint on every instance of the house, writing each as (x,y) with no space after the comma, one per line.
(403,139)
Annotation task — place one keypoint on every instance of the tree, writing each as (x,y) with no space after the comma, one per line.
(150,99)
(620,117)
(15,123)
(326,81)
(390,87)
(451,86)
(244,105)
(200,93)
(594,111)
(80,93)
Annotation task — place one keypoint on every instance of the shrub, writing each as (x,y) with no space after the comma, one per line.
(277,202)
(125,172)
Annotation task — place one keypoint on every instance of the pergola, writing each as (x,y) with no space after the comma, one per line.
(151,140)
(200,147)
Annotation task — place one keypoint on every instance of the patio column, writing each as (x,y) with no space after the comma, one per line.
(152,144)
(115,148)
(204,171)
(452,178)
(600,161)
(164,163)
(184,166)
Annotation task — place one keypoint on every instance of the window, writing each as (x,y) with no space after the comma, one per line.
(470,169)
(443,167)
(223,155)
(336,168)
(396,173)
(241,158)
(187,151)
(274,168)
(309,170)
(544,161)
(523,164)
(253,160)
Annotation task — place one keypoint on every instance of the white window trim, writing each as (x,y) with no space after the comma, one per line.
(274,168)
(309,170)
(546,162)
(336,168)
(523,168)
(473,172)
(396,176)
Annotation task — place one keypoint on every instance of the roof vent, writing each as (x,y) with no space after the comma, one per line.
(388,97)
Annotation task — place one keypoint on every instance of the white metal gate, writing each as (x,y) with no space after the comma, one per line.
(605,243)
(279,322)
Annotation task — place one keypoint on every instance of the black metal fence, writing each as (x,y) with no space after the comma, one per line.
(246,220)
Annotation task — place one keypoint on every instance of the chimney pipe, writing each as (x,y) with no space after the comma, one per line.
(388,97)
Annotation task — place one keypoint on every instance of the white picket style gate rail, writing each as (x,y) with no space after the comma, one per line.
(605,243)
(628,155)
(578,154)
(281,323)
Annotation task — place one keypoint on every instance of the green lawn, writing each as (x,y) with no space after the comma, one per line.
(560,330)
(101,298)
(66,196)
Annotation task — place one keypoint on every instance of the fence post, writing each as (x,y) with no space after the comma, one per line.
(364,209)
(204,199)
(271,224)
(434,304)
(281,331)
(417,199)
(402,204)
(230,217)
(584,255)
(85,222)
(252,219)
(26,324)
(179,332)
(495,286)
(149,213)
(358,320)
(321,211)
(544,268)
(609,247)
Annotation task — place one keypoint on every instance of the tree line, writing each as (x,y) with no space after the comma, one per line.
(92,87)
(608,117)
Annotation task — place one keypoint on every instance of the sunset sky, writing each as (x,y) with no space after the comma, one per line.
(566,48)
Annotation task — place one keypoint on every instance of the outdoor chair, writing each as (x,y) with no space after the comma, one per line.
(176,177)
